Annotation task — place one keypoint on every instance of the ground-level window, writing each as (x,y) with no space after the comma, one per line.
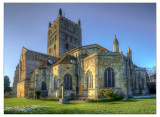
(89,79)
(109,80)
(68,82)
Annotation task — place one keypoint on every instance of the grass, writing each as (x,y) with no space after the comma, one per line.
(130,106)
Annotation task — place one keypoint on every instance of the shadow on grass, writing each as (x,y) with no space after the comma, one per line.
(136,99)
(130,100)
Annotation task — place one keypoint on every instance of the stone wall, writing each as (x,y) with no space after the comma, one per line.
(114,61)
(140,81)
(21,89)
(16,80)
(58,72)
(90,65)
(29,60)
(62,32)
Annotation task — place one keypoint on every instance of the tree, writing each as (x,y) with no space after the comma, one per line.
(152,80)
(152,73)
(7,87)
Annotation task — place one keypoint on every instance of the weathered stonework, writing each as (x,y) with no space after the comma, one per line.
(83,69)
(16,80)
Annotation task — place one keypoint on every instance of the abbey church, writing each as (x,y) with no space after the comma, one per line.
(84,69)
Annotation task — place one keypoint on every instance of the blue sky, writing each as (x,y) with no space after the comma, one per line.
(133,23)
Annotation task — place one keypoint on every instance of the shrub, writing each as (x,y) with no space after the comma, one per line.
(7,95)
(31,94)
(102,100)
(109,94)
(38,93)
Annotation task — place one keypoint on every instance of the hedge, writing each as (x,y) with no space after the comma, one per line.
(102,100)
(49,99)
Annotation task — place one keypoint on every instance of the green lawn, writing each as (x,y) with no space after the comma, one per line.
(131,106)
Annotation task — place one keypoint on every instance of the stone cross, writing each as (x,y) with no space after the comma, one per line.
(62,84)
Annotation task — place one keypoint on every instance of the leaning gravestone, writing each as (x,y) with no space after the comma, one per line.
(63,100)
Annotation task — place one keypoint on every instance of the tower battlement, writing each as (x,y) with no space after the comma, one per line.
(63,35)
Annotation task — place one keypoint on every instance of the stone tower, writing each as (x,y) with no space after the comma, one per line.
(63,35)
(115,45)
(129,53)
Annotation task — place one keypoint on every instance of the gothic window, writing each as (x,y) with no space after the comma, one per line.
(68,82)
(66,37)
(55,83)
(50,32)
(54,46)
(67,46)
(90,79)
(50,42)
(20,66)
(142,83)
(109,78)
(71,39)
(43,85)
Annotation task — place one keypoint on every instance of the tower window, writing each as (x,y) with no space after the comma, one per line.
(66,37)
(71,39)
(50,42)
(55,37)
(67,46)
(54,46)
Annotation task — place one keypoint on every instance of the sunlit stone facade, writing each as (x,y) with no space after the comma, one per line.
(84,69)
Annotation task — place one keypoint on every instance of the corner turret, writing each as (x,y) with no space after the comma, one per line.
(60,12)
(115,45)
(129,53)
(79,22)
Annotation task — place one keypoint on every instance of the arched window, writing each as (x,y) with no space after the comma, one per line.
(43,85)
(109,78)
(142,83)
(89,79)
(55,83)
(67,46)
(68,82)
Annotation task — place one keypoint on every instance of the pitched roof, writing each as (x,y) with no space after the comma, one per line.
(44,65)
(65,59)
(40,53)
(83,47)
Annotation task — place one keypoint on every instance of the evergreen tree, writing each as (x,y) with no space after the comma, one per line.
(7,87)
